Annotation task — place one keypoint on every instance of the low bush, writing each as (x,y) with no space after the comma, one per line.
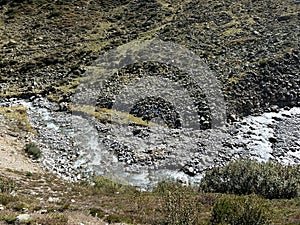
(240,210)
(33,150)
(270,180)
(97,212)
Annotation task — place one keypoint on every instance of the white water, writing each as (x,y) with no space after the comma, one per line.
(61,135)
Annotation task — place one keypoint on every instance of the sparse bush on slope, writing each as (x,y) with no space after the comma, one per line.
(33,150)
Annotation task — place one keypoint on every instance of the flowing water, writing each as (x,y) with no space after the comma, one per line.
(77,147)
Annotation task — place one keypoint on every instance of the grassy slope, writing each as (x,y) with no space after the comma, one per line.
(113,202)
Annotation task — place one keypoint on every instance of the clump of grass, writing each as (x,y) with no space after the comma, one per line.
(232,32)
(5,199)
(29,174)
(8,217)
(18,206)
(52,218)
(240,210)
(97,212)
(33,150)
(66,89)
(270,180)
(111,116)
(18,115)
(105,185)
(7,185)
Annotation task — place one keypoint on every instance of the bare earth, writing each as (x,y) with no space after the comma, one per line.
(12,155)
(15,164)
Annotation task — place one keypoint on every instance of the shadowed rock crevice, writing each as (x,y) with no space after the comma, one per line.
(153,107)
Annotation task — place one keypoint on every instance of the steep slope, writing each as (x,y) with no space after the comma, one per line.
(253,47)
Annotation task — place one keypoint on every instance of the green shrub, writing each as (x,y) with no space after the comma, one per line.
(240,210)
(33,150)
(18,206)
(271,179)
(9,218)
(97,212)
(180,204)
(7,185)
(29,174)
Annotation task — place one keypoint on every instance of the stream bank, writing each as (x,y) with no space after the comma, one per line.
(76,147)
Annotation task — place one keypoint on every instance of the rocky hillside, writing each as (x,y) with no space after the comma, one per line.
(252,46)
(47,49)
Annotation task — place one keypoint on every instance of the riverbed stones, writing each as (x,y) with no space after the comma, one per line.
(144,155)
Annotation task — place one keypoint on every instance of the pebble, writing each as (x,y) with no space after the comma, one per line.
(43,211)
(23,217)
(52,199)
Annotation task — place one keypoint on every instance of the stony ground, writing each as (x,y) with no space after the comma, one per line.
(252,47)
